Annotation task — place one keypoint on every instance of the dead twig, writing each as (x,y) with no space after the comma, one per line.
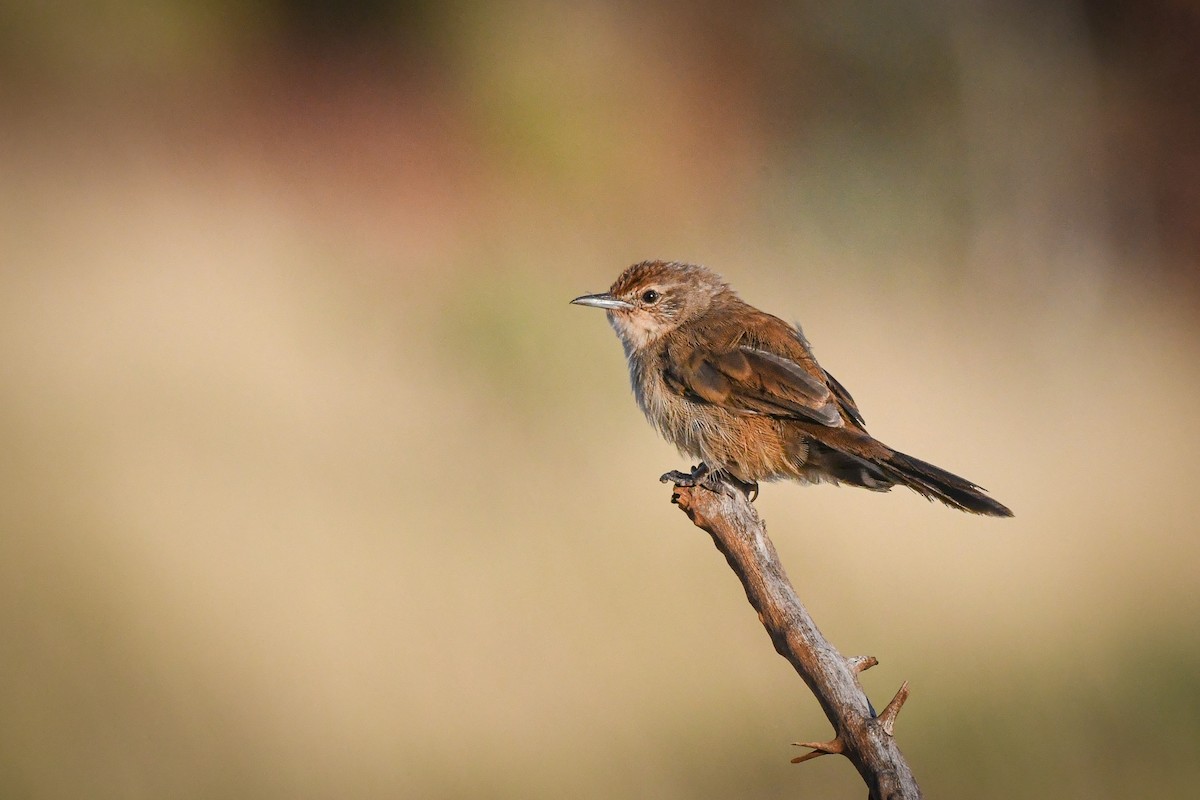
(867,740)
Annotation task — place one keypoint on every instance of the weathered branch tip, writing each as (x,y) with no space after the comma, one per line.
(862,663)
(888,716)
(834,746)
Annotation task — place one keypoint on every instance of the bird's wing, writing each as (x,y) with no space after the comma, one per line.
(749,380)
(849,407)
(844,399)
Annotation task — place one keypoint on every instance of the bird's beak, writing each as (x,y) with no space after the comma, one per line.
(604,300)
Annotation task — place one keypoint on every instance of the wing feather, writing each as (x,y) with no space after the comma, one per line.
(750,380)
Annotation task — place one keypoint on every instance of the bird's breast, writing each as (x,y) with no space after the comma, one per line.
(751,446)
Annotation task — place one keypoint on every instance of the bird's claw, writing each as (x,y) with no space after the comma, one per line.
(749,489)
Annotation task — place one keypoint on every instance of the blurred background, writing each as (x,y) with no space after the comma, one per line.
(313,484)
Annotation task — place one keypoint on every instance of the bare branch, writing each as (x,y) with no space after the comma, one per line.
(866,740)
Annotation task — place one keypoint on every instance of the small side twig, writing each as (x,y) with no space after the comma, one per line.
(888,718)
(867,740)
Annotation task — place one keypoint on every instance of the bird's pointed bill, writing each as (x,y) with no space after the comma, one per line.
(604,300)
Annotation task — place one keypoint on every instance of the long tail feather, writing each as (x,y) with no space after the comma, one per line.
(936,483)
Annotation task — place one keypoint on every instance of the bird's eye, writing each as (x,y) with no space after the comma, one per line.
(650,296)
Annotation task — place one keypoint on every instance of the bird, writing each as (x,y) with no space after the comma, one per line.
(740,390)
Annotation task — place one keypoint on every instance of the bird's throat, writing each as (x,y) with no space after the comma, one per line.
(636,331)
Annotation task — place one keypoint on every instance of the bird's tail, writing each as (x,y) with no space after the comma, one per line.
(938,484)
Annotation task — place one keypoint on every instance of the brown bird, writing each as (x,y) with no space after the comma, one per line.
(741,390)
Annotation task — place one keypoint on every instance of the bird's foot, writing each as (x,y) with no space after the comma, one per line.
(717,480)
(696,477)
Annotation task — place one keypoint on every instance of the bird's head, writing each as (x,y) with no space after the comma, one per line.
(653,298)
